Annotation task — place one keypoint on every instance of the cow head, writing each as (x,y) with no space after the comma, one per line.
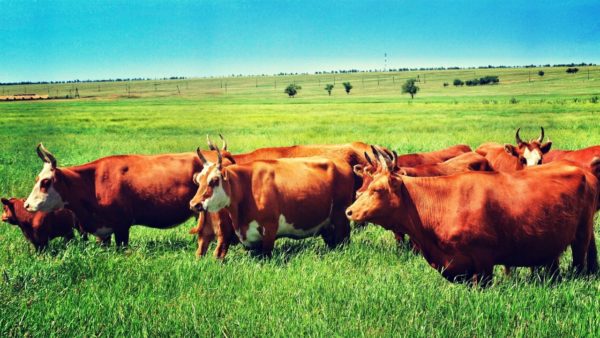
(213,188)
(529,153)
(44,196)
(381,195)
(8,211)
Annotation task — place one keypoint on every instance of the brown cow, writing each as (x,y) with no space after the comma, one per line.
(466,223)
(39,227)
(432,157)
(269,199)
(470,161)
(218,225)
(113,193)
(510,158)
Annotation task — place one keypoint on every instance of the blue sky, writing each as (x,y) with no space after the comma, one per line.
(44,40)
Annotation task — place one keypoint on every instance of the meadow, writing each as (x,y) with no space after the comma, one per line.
(371,287)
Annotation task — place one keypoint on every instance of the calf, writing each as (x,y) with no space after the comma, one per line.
(268,199)
(510,158)
(39,227)
(466,223)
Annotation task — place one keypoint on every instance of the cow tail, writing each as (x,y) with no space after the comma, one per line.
(592,256)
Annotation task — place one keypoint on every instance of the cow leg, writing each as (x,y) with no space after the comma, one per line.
(592,256)
(203,242)
(339,231)
(122,236)
(268,239)
(581,244)
(222,248)
(553,269)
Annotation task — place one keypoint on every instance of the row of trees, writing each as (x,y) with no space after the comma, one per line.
(490,79)
(409,87)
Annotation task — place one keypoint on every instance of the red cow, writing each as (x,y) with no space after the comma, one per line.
(39,227)
(113,193)
(510,158)
(465,224)
(218,225)
(269,199)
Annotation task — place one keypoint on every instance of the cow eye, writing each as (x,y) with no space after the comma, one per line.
(214,181)
(45,183)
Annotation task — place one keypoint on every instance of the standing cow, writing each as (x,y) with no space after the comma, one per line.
(465,224)
(113,193)
(295,198)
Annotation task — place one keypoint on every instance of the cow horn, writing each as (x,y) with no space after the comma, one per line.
(518,138)
(219,159)
(368,159)
(211,146)
(386,158)
(224,148)
(201,156)
(541,138)
(45,155)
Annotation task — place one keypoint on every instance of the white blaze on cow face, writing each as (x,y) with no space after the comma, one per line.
(44,196)
(533,157)
(211,176)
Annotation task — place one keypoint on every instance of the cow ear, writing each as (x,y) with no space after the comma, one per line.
(512,150)
(358,170)
(5,201)
(546,147)
(195,178)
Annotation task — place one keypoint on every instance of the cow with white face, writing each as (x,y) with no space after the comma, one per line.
(509,157)
(44,196)
(268,199)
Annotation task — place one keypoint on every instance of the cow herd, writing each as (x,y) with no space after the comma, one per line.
(465,211)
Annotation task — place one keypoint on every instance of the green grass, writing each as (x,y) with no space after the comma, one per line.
(370,287)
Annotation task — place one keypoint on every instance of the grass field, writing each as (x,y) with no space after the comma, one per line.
(371,287)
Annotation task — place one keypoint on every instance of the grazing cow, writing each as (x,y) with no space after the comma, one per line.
(113,193)
(465,224)
(39,227)
(510,158)
(411,160)
(218,225)
(268,199)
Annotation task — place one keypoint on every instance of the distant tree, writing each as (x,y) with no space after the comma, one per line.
(328,88)
(292,90)
(458,82)
(572,70)
(409,87)
(541,73)
(445,84)
(347,87)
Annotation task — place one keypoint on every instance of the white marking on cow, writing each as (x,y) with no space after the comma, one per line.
(39,201)
(286,229)
(532,157)
(252,237)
